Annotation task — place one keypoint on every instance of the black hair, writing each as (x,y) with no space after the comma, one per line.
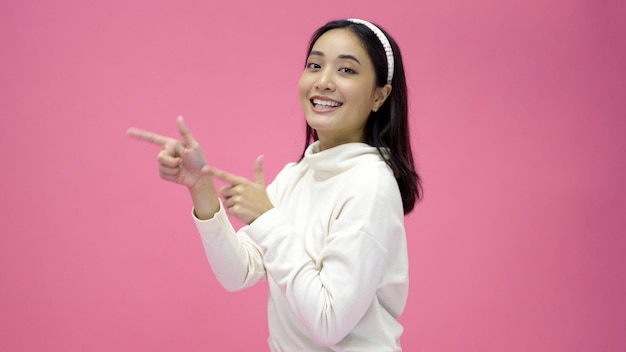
(388,127)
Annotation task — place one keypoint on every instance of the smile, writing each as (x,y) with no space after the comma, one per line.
(325,104)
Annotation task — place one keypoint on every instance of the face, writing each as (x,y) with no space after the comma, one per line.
(338,89)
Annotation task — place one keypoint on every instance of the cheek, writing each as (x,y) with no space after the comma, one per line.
(361,94)
(303,86)
(303,92)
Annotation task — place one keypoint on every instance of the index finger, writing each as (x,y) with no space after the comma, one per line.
(147,136)
(228,177)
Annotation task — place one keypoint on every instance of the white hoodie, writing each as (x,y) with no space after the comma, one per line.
(333,250)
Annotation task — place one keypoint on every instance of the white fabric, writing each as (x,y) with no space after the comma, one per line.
(333,251)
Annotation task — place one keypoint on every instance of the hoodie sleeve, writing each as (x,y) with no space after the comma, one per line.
(235,259)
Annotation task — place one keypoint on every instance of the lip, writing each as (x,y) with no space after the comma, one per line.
(325,109)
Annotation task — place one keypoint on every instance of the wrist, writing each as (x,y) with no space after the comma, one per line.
(205,199)
(202,186)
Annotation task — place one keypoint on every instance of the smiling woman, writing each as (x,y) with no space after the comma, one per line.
(338,88)
(328,233)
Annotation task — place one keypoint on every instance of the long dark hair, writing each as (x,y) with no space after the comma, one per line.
(388,127)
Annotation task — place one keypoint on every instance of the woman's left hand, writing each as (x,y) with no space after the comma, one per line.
(244,199)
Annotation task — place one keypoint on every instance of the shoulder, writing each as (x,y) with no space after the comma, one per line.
(283,179)
(372,204)
(287,172)
(374,176)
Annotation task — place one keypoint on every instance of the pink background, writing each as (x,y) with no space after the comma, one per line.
(518,113)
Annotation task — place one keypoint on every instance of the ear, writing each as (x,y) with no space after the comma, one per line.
(380,95)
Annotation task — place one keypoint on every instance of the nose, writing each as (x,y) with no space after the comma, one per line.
(325,80)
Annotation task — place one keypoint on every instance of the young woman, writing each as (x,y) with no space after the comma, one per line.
(328,233)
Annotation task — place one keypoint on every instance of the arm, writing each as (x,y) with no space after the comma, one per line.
(235,261)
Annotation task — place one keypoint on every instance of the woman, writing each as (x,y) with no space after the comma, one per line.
(328,233)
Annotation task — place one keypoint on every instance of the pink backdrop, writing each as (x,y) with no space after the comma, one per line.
(519,127)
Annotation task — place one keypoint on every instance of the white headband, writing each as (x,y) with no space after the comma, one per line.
(384,41)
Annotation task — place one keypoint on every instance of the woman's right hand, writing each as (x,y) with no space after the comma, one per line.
(179,162)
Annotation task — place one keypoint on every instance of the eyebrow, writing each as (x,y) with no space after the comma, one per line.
(342,56)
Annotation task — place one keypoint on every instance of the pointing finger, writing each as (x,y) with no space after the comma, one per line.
(228,177)
(147,136)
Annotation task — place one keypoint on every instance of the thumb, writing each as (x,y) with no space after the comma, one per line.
(184,132)
(258,171)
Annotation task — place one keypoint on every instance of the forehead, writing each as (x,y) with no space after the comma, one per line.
(340,41)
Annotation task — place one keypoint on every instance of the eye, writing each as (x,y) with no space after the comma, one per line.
(347,70)
(313,66)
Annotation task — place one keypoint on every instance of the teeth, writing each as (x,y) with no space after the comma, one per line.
(326,103)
